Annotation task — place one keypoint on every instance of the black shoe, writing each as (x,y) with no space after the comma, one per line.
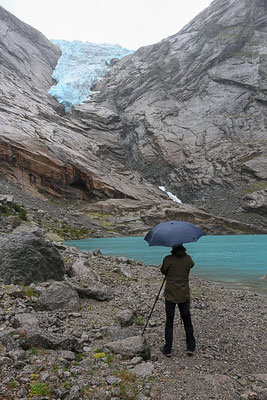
(190,353)
(166,353)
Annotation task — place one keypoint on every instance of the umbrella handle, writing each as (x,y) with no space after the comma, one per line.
(157,297)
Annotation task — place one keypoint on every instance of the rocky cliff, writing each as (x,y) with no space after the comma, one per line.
(188,113)
(40,148)
(193,107)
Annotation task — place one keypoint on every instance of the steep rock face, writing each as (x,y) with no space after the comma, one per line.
(187,113)
(193,107)
(39,147)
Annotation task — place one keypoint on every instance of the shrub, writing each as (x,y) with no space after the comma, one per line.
(38,389)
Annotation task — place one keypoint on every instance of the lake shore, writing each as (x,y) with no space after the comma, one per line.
(230,330)
(258,287)
(226,260)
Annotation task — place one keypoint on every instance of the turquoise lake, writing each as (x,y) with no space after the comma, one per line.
(233,259)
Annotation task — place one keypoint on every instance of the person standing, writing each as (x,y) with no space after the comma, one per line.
(176,267)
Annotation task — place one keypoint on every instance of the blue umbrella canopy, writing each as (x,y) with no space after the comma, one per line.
(173,233)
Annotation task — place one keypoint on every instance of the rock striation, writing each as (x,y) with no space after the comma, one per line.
(42,149)
(188,113)
(193,106)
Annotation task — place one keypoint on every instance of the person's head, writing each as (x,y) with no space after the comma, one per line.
(178,250)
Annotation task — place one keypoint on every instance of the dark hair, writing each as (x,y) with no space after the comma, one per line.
(178,251)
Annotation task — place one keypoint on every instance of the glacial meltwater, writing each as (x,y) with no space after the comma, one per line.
(237,260)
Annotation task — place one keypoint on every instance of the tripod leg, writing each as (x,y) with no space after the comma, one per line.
(157,297)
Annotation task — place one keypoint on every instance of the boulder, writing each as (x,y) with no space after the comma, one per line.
(125,317)
(81,268)
(144,369)
(25,319)
(257,201)
(96,292)
(27,258)
(116,332)
(122,260)
(47,340)
(130,347)
(59,295)
(8,342)
(126,271)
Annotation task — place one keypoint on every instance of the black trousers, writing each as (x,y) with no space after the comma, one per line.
(184,309)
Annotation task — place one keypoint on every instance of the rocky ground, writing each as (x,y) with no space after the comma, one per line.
(91,348)
(81,338)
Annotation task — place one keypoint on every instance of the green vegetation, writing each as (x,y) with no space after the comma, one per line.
(28,292)
(139,320)
(67,385)
(255,187)
(38,389)
(33,351)
(7,209)
(232,32)
(127,386)
(79,356)
(99,355)
(109,359)
(67,232)
(12,383)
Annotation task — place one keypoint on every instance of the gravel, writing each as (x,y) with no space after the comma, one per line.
(230,329)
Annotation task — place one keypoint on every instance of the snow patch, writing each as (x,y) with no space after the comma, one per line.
(171,196)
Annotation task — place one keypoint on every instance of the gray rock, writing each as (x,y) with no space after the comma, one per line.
(257,201)
(96,292)
(8,342)
(47,340)
(74,393)
(25,319)
(122,260)
(126,270)
(61,393)
(249,395)
(68,355)
(113,380)
(5,362)
(17,355)
(136,360)
(125,317)
(97,252)
(25,228)
(27,258)
(118,333)
(130,347)
(59,295)
(144,369)
(81,268)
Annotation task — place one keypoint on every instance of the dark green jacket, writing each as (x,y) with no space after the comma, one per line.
(177,277)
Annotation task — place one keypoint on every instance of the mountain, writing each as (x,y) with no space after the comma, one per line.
(40,147)
(193,108)
(188,113)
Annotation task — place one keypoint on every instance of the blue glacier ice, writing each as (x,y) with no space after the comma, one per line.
(81,65)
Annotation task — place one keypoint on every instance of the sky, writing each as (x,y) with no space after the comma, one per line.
(130,23)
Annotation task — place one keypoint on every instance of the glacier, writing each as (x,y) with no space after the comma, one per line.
(80,67)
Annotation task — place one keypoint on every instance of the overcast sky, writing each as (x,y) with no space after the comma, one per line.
(130,23)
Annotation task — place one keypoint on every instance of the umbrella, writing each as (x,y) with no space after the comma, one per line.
(173,233)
